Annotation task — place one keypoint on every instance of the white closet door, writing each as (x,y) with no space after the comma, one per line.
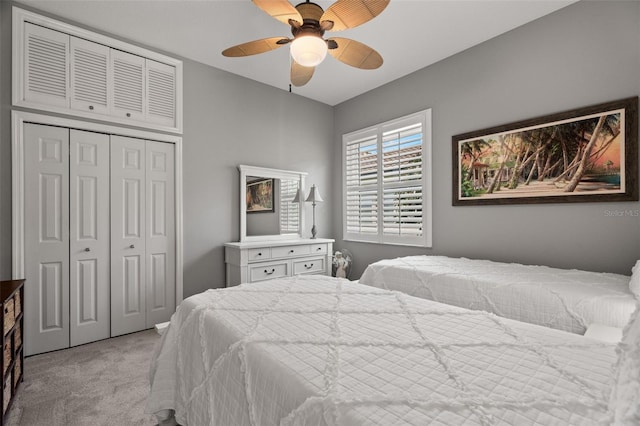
(128,271)
(46,151)
(161,232)
(89,237)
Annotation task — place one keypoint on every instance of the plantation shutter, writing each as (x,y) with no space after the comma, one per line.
(361,177)
(402,181)
(289,211)
(386,170)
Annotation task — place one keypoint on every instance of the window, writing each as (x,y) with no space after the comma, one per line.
(387,182)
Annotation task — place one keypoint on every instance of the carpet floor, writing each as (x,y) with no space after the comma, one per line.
(101,383)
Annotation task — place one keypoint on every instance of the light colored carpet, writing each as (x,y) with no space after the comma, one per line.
(101,383)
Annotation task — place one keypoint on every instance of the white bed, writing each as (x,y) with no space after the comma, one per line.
(569,300)
(317,350)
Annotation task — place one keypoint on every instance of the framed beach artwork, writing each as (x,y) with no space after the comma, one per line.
(584,155)
(259,195)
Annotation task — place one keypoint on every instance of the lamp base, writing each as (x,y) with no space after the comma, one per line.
(313,232)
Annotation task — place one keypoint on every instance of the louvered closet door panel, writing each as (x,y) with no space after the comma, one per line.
(128,82)
(46,66)
(161,231)
(89,237)
(128,270)
(89,76)
(161,93)
(46,198)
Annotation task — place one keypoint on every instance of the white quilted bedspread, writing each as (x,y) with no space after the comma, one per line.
(569,300)
(317,350)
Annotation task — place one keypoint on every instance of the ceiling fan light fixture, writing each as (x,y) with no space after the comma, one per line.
(308,50)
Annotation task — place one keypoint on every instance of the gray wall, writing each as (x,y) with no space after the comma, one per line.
(584,54)
(228,120)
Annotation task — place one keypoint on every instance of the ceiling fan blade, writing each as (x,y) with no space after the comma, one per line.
(282,10)
(347,14)
(255,47)
(300,75)
(354,53)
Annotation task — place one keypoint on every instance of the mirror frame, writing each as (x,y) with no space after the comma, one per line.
(246,171)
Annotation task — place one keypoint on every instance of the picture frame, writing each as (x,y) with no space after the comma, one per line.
(588,154)
(259,196)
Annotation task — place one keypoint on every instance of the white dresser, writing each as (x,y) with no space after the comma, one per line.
(265,260)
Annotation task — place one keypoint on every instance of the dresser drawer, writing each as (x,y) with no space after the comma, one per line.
(9,315)
(258,254)
(290,251)
(318,249)
(310,265)
(268,271)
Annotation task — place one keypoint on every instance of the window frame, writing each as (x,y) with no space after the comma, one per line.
(425,240)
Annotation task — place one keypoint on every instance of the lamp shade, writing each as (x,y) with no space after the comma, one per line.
(314,195)
(308,50)
(299,198)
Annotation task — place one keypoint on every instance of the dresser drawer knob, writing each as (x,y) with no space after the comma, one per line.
(292,251)
(308,266)
(259,254)
(269,272)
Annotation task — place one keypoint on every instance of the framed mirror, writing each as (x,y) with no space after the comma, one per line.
(267,210)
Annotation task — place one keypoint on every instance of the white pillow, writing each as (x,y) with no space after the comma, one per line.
(634,283)
(624,401)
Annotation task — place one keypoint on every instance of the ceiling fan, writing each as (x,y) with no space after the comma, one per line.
(308,23)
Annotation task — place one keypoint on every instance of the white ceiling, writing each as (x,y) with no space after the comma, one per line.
(409,34)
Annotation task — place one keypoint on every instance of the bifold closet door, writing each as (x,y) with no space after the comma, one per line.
(100,241)
(46,238)
(142,234)
(89,294)
(161,232)
(128,234)
(66,237)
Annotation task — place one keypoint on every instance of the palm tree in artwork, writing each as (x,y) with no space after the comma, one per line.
(578,141)
(606,125)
